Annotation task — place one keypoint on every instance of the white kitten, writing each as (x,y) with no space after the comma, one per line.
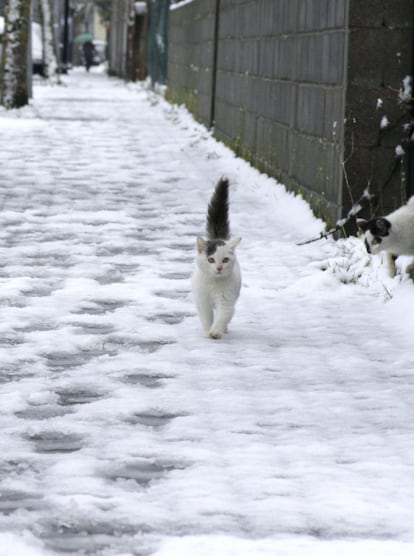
(216,281)
(393,234)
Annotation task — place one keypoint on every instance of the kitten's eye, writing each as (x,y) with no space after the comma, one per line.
(226,260)
(211,260)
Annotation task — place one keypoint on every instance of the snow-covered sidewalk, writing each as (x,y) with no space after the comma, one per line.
(123,430)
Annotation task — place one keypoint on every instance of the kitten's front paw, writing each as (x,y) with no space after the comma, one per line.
(214,335)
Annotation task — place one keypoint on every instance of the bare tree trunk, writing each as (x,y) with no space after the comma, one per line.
(15,85)
(51,65)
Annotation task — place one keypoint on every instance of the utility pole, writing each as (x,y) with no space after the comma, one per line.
(65,51)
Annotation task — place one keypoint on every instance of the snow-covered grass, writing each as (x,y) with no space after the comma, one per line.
(125,432)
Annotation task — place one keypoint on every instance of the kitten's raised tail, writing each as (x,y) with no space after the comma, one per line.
(218,226)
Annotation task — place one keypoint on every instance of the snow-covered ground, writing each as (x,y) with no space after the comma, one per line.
(123,430)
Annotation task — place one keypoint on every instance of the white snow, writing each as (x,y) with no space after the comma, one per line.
(180,4)
(206,546)
(125,432)
(406,90)
(140,8)
(399,151)
(384,122)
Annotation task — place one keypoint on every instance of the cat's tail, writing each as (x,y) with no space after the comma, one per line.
(218,226)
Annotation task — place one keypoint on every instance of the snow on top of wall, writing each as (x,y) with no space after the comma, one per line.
(140,8)
(180,4)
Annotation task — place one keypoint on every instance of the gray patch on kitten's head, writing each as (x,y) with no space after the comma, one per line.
(212,246)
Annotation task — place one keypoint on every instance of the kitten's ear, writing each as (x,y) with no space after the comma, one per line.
(233,243)
(201,245)
(362,224)
(381,227)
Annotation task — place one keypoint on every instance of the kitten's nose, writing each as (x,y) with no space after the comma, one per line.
(219,268)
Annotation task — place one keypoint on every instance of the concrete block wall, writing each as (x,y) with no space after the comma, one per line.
(380,55)
(191,46)
(280,91)
(295,86)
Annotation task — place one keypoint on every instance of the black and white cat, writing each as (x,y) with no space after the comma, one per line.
(393,234)
(216,281)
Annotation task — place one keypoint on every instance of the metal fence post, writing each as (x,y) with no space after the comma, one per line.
(214,68)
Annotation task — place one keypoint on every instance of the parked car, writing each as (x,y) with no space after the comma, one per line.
(37,46)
